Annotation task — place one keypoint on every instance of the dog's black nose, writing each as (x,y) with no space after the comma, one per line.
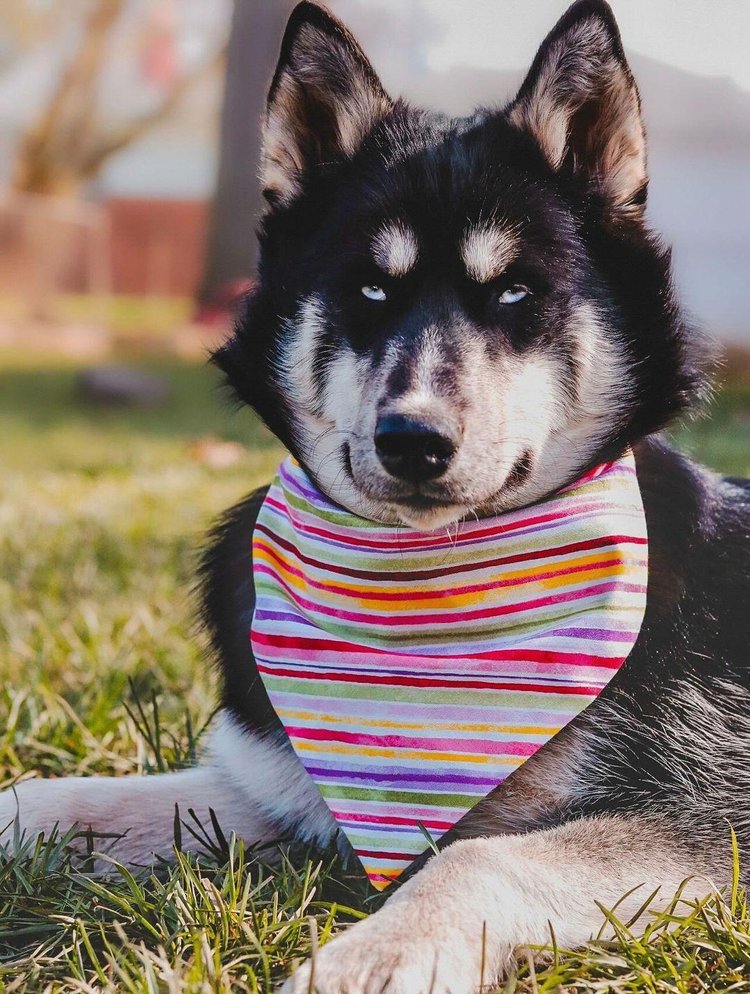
(413,450)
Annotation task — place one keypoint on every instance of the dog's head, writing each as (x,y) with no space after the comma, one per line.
(456,317)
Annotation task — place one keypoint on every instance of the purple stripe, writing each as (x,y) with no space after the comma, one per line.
(263,614)
(596,634)
(296,482)
(437,778)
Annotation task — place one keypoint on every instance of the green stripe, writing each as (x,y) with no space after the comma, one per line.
(423,697)
(404,796)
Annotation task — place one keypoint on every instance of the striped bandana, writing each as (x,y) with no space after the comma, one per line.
(415,671)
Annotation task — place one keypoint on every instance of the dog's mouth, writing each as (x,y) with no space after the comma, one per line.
(421,502)
(432,505)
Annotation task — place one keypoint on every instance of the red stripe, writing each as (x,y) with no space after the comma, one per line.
(416,595)
(386,820)
(406,742)
(399,681)
(385,854)
(508,655)
(427,574)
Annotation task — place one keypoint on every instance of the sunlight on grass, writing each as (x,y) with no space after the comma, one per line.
(101,515)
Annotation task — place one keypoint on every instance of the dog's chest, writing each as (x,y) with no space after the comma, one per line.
(414,672)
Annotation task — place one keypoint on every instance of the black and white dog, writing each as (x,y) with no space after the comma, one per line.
(495,276)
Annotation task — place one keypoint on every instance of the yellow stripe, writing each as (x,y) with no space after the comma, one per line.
(388,753)
(316,718)
(530,575)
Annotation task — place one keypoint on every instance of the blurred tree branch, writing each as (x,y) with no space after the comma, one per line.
(69,143)
(108,145)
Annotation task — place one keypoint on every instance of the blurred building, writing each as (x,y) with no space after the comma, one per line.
(157,189)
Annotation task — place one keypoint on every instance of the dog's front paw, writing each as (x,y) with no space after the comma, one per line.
(389,954)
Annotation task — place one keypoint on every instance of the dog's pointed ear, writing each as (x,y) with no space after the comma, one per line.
(581,105)
(324,99)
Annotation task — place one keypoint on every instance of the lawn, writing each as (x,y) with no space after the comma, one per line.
(101,514)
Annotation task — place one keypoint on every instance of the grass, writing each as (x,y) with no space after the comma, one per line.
(123,314)
(101,514)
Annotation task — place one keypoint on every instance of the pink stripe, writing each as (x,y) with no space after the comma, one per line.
(391,820)
(425,541)
(513,748)
(417,812)
(323,650)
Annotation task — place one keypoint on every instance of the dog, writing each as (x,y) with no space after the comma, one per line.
(491,284)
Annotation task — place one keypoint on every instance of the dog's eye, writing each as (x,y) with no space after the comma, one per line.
(514,294)
(374,293)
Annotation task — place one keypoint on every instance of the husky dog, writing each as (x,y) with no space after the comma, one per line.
(457,318)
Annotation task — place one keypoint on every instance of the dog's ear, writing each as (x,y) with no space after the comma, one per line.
(581,105)
(324,99)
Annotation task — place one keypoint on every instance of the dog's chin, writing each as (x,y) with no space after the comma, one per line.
(427,511)
(416,512)
(426,517)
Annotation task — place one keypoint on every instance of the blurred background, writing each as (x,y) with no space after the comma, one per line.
(128,154)
(128,144)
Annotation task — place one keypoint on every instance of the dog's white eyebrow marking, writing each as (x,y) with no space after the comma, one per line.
(487,250)
(395,249)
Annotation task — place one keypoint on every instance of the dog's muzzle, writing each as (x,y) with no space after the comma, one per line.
(413,450)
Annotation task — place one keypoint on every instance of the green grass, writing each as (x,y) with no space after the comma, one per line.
(101,514)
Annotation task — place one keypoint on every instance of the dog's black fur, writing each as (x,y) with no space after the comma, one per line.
(670,733)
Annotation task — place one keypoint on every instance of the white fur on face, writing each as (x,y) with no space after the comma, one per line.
(395,249)
(428,359)
(505,407)
(603,390)
(302,339)
(487,250)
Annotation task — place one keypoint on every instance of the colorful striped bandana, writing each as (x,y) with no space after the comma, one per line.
(415,671)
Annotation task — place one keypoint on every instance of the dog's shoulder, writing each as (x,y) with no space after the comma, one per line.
(227,602)
(699,546)
(690,510)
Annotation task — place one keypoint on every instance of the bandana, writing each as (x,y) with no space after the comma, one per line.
(415,671)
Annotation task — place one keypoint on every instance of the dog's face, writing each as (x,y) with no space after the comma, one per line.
(456,317)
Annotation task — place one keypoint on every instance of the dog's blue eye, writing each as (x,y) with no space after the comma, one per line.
(514,293)
(373,293)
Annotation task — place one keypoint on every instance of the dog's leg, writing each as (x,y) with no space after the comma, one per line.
(473,904)
(255,787)
(130,818)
